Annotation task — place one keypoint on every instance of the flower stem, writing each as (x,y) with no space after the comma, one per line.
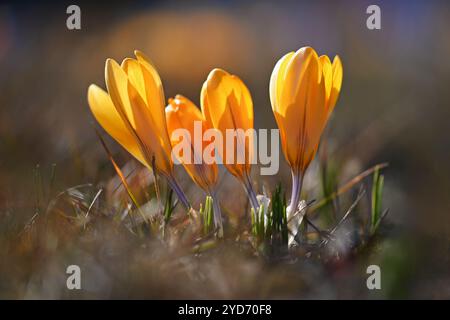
(217,214)
(180,194)
(250,193)
(297,181)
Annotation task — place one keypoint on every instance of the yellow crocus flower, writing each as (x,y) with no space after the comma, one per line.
(132,112)
(227,105)
(182,115)
(303,91)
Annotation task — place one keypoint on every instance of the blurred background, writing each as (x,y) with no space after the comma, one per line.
(394,104)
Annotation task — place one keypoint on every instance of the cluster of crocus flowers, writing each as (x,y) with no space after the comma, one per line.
(227,105)
(182,115)
(303,92)
(132,112)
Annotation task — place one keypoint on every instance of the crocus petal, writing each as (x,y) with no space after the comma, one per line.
(301,116)
(133,70)
(337,82)
(106,114)
(182,113)
(117,84)
(295,72)
(327,74)
(317,116)
(229,101)
(153,85)
(277,81)
(205,105)
(155,97)
(148,133)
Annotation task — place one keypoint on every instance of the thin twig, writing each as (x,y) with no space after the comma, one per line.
(361,193)
(93,202)
(155,173)
(120,174)
(126,177)
(322,233)
(297,212)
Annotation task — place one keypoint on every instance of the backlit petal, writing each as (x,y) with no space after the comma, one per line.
(117,84)
(277,80)
(148,134)
(295,71)
(106,114)
(337,82)
(327,74)
(182,113)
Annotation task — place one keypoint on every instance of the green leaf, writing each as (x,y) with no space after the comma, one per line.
(377,193)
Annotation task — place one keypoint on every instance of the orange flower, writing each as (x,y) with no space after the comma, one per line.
(132,112)
(227,106)
(181,113)
(186,126)
(303,91)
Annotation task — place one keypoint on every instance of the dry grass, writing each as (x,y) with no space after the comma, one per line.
(120,234)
